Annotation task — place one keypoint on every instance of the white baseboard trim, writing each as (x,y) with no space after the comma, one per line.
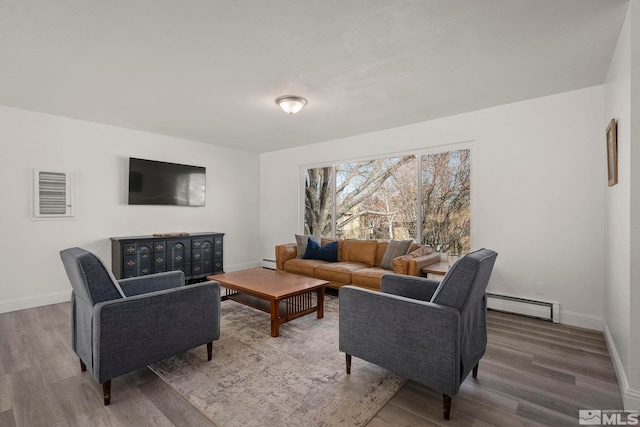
(630,397)
(37,301)
(581,320)
(242,266)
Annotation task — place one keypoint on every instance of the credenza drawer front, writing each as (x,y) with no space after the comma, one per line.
(196,255)
(129,248)
(130,262)
(159,260)
(159,246)
(196,244)
(196,269)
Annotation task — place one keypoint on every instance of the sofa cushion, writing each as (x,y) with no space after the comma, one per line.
(301,266)
(421,251)
(301,242)
(362,251)
(368,277)
(328,252)
(337,271)
(395,249)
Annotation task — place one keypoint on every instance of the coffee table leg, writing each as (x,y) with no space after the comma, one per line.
(320,299)
(275,327)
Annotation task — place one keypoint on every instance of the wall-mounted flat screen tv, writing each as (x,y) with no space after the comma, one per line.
(160,183)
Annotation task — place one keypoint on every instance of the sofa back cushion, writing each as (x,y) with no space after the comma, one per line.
(395,249)
(382,249)
(363,251)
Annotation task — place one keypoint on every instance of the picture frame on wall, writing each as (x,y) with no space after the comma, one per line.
(612,153)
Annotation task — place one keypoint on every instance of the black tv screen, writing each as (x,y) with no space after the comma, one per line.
(160,183)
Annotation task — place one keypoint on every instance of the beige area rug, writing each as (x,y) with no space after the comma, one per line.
(297,379)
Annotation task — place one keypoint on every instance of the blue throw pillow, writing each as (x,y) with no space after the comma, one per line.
(328,252)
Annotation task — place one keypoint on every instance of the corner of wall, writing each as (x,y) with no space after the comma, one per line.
(630,397)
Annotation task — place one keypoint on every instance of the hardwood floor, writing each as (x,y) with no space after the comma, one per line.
(533,373)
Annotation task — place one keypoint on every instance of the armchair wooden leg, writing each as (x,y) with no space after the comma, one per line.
(106,392)
(475,370)
(83,367)
(209,350)
(348,360)
(446,406)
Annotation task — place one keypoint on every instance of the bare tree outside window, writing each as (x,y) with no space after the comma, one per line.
(377,199)
(368,198)
(446,201)
(318,201)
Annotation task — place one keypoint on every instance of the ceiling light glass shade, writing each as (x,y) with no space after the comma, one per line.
(291,104)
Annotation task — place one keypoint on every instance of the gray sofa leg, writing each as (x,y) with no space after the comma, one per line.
(446,406)
(106,392)
(209,350)
(83,367)
(475,370)
(348,360)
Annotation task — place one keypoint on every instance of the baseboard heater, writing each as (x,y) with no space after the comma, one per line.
(526,307)
(269,263)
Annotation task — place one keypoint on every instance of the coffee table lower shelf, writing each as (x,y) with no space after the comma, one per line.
(283,295)
(284,310)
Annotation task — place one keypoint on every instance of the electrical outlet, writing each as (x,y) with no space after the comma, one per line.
(540,288)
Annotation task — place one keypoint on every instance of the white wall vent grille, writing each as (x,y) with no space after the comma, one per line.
(52,194)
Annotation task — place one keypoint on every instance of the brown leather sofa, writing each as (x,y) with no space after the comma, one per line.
(358,262)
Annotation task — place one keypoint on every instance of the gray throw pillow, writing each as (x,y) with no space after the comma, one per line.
(395,249)
(301,241)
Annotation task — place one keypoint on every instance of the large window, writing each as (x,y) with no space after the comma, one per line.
(378,199)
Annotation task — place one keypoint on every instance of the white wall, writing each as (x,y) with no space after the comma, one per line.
(538,177)
(32,273)
(617,210)
(633,395)
(622,207)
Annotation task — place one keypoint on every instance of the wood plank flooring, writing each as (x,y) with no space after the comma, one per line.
(534,373)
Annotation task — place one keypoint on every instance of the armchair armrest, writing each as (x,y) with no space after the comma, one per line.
(284,253)
(409,286)
(130,333)
(415,339)
(151,283)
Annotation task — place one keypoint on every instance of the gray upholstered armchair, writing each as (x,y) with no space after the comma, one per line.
(430,332)
(121,326)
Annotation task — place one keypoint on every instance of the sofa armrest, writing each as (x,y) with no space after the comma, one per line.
(284,253)
(151,283)
(415,265)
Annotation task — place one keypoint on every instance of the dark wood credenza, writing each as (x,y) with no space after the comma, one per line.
(197,255)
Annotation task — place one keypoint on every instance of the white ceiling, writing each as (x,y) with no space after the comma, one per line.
(210,70)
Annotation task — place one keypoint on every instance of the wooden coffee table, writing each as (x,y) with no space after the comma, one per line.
(284,295)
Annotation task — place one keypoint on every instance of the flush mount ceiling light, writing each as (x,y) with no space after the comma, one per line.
(291,104)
